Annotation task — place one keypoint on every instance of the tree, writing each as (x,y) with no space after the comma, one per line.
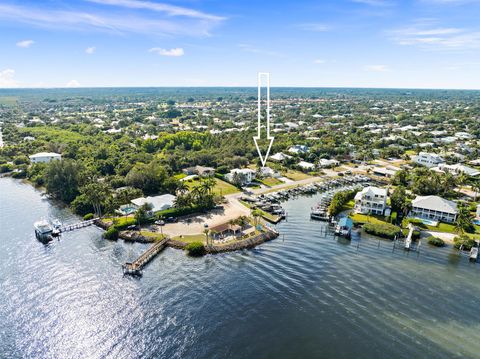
(62,179)
(96,193)
(256,213)
(464,220)
(398,199)
(142,213)
(150,178)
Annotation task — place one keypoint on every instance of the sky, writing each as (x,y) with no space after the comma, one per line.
(303,43)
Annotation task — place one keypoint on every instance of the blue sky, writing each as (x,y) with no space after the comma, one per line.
(346,43)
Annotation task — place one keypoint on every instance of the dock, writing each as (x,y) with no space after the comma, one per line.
(408,240)
(473,254)
(135,267)
(71,227)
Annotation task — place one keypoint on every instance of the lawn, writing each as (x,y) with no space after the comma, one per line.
(221,187)
(155,235)
(296,175)
(363,218)
(191,238)
(270,181)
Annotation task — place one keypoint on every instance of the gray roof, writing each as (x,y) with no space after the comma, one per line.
(435,203)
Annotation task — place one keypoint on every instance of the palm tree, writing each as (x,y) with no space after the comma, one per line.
(182,187)
(464,220)
(256,213)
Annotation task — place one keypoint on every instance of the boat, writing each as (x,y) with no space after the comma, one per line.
(43,229)
(344,227)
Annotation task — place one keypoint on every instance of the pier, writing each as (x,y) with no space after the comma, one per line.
(71,227)
(135,267)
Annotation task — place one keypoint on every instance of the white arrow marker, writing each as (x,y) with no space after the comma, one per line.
(256,138)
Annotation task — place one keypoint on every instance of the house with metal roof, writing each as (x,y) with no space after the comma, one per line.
(434,208)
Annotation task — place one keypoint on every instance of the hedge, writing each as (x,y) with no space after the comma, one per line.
(178,212)
(88,216)
(384,230)
(434,241)
(111,234)
(195,249)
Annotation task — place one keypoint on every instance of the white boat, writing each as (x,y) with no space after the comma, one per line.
(42,228)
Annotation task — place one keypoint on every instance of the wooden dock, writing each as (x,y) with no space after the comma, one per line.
(135,267)
(71,227)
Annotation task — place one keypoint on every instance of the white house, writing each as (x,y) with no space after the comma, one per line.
(428,159)
(279,157)
(45,157)
(245,175)
(269,172)
(371,200)
(158,203)
(298,149)
(324,163)
(434,208)
(457,169)
(306,166)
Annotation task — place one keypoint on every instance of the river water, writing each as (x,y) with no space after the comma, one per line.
(306,295)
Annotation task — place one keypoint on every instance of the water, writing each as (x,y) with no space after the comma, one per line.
(305,296)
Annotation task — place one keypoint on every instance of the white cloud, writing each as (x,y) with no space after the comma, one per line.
(316,27)
(25,43)
(7,78)
(376,68)
(72,84)
(175,52)
(90,50)
(172,22)
(319,61)
(170,10)
(426,35)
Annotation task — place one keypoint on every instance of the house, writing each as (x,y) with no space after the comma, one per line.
(241,175)
(434,208)
(45,157)
(158,203)
(307,166)
(269,172)
(385,171)
(199,170)
(279,157)
(457,169)
(371,200)
(298,149)
(225,230)
(324,163)
(428,159)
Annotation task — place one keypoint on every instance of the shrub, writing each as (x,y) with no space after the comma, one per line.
(434,241)
(464,240)
(393,217)
(177,212)
(111,234)
(384,230)
(195,249)
(88,216)
(122,223)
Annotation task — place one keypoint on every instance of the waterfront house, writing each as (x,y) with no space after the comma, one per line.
(428,159)
(225,230)
(158,203)
(434,208)
(371,200)
(242,175)
(298,149)
(457,169)
(44,157)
